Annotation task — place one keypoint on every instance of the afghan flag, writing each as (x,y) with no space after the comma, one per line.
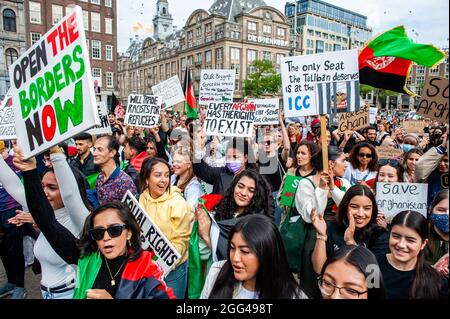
(385,62)
(190,105)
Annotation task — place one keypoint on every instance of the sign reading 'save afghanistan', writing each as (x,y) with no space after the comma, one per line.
(216,86)
(230,119)
(152,236)
(266,111)
(170,91)
(7,123)
(143,110)
(52,88)
(320,83)
(434,100)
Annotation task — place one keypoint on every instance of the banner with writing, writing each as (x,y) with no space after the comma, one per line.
(104,127)
(373,115)
(266,111)
(170,91)
(289,188)
(386,152)
(7,123)
(354,121)
(320,83)
(143,110)
(216,86)
(434,100)
(414,126)
(392,198)
(52,88)
(152,236)
(230,119)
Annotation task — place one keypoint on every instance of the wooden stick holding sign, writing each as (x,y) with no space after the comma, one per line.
(323,139)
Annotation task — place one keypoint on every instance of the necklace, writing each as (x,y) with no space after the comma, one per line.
(113,282)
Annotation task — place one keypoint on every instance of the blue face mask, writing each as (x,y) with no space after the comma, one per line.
(234,166)
(407,147)
(441,222)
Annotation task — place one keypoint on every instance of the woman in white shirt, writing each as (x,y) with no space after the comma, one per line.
(363,165)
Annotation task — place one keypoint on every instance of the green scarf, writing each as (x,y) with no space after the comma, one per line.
(88,268)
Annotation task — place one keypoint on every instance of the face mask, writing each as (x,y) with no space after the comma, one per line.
(407,147)
(234,166)
(441,222)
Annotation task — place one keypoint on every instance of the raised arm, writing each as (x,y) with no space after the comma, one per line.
(428,163)
(286,142)
(12,184)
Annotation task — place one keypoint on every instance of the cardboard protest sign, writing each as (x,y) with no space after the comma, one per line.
(385,152)
(373,115)
(143,110)
(152,236)
(354,121)
(52,88)
(414,126)
(320,83)
(170,91)
(392,198)
(216,86)
(434,100)
(266,111)
(104,127)
(230,119)
(289,188)
(7,123)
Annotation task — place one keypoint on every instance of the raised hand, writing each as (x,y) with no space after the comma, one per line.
(350,231)
(319,223)
(20,163)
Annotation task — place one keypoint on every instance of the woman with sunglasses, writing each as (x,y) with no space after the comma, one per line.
(355,224)
(351,273)
(405,272)
(170,212)
(409,164)
(363,165)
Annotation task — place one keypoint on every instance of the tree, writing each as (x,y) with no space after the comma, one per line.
(263,81)
(379,94)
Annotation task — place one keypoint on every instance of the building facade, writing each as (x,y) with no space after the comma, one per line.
(12,39)
(230,36)
(319,27)
(100,19)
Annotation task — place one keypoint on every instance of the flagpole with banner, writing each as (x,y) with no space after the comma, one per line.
(323,140)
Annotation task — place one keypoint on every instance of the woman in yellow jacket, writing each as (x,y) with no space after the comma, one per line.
(169,210)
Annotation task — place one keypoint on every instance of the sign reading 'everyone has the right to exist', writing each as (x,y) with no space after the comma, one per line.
(143,110)
(230,119)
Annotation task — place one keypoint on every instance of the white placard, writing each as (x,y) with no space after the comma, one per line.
(216,86)
(267,111)
(143,110)
(7,123)
(52,88)
(170,91)
(373,115)
(152,236)
(230,119)
(104,127)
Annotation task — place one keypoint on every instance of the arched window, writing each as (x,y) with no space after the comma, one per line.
(11,56)
(164,11)
(9,20)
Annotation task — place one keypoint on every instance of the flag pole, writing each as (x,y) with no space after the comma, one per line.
(323,138)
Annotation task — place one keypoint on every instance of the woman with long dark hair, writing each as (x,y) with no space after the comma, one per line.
(363,165)
(405,272)
(409,164)
(351,273)
(256,266)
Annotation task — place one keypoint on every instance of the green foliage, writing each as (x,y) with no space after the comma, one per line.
(263,81)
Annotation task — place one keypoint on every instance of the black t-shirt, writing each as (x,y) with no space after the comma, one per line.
(396,283)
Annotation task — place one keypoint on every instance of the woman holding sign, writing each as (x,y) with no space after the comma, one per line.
(170,212)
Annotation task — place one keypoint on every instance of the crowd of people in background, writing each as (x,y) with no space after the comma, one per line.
(218,201)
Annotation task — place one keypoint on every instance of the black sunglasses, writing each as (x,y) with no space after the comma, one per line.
(113,231)
(368,155)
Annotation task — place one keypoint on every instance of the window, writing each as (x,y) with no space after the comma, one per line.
(252,27)
(208,28)
(267,56)
(57,13)
(219,54)
(11,56)
(198,58)
(309,43)
(235,54)
(95,2)
(236,85)
(237,68)
(208,56)
(108,3)
(96,49)
(9,20)
(35,37)
(109,53)
(309,51)
(319,46)
(96,72)
(108,26)
(420,79)
(109,79)
(95,22)
(435,70)
(281,32)
(251,56)
(69,10)
(267,29)
(86,20)
(420,69)
(279,57)
(35,12)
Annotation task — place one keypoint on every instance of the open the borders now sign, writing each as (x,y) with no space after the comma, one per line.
(52,88)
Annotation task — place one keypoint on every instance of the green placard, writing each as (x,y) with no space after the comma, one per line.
(290,185)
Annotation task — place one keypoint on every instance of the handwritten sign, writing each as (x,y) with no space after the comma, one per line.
(266,111)
(170,91)
(216,86)
(373,115)
(434,100)
(414,126)
(7,123)
(104,127)
(152,236)
(143,110)
(320,83)
(392,198)
(354,120)
(289,188)
(385,152)
(52,88)
(230,119)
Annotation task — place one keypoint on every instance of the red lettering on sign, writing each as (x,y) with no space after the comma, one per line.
(48,122)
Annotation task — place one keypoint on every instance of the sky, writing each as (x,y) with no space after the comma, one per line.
(427,21)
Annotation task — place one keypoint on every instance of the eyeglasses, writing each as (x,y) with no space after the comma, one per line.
(328,288)
(368,155)
(393,163)
(113,231)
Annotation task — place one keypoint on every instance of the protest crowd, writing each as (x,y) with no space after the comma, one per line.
(215,202)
